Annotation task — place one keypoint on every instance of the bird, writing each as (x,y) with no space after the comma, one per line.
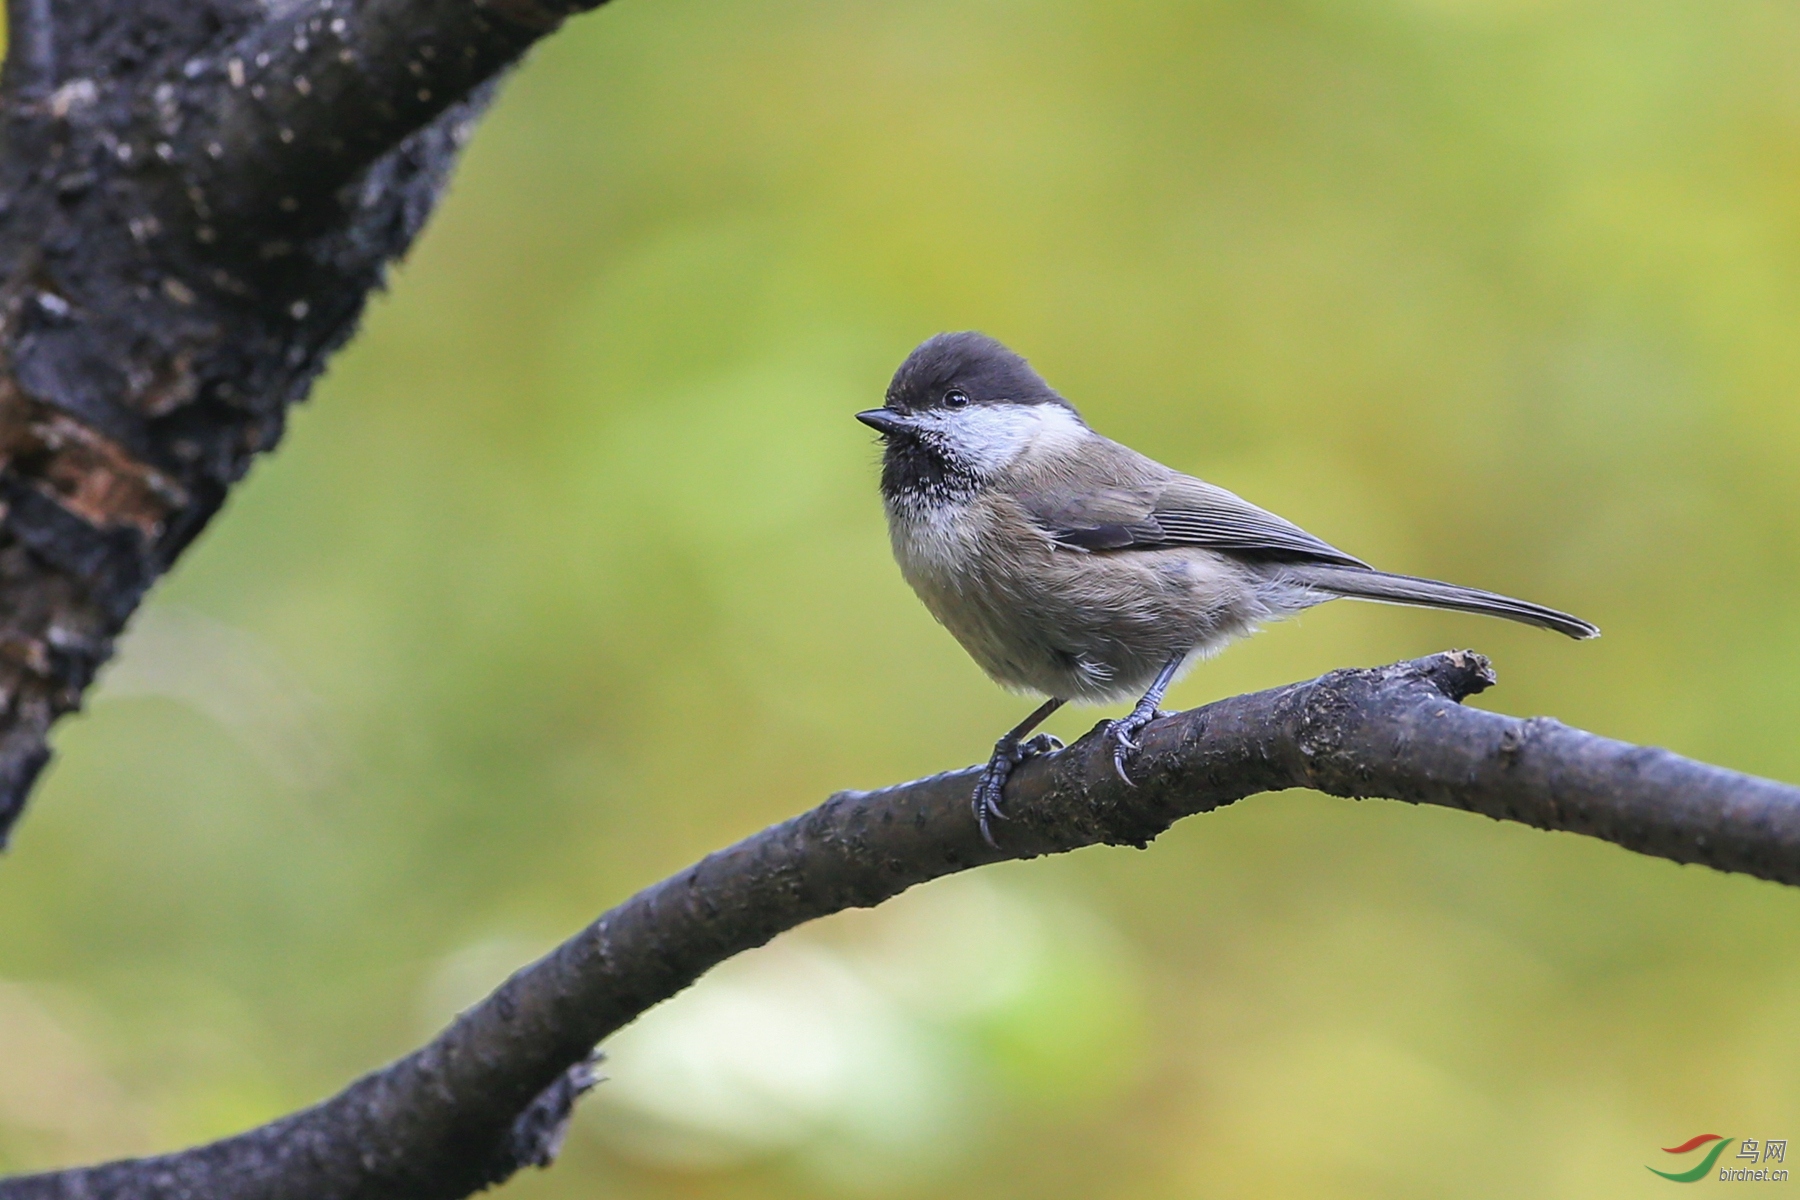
(1072,567)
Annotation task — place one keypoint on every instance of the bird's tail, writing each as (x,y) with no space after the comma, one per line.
(1362,583)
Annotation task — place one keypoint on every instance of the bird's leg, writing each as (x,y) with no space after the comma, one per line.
(1009,752)
(1123,732)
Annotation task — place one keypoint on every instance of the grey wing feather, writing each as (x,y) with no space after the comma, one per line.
(1192,511)
(1105,519)
(1182,511)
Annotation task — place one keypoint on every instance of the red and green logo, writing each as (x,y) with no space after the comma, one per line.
(1704,1167)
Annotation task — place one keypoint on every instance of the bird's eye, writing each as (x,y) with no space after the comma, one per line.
(955,398)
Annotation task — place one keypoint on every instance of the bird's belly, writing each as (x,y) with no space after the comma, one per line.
(1059,622)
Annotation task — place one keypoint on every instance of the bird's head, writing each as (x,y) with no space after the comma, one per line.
(961,407)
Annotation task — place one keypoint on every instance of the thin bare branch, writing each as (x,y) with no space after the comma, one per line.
(447,1120)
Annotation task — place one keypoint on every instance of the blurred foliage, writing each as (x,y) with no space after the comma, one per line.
(573,569)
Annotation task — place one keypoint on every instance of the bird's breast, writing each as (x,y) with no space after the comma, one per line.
(980,569)
(940,546)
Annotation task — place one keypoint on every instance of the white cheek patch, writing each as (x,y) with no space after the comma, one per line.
(988,436)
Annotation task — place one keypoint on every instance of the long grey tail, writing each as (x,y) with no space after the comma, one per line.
(1365,584)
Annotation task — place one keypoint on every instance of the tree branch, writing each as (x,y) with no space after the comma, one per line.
(280,116)
(446,1120)
(303,103)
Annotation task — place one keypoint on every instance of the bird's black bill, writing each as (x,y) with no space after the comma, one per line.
(884,421)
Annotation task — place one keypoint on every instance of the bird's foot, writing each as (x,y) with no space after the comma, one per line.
(1007,755)
(1123,736)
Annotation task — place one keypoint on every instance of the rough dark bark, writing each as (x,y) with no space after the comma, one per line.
(446,1120)
(196,198)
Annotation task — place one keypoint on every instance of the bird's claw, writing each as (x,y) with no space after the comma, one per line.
(1123,736)
(992,784)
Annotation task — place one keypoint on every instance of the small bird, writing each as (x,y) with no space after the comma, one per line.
(1072,567)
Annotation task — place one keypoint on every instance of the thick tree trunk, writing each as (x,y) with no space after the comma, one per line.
(196,199)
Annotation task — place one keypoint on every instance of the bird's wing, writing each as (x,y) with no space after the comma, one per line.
(1176,511)
(1113,518)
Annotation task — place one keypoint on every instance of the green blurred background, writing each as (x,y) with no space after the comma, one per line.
(1502,291)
